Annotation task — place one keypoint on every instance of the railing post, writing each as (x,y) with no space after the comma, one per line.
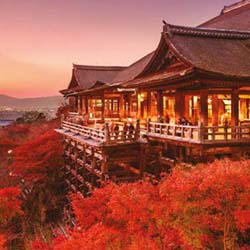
(106,133)
(137,130)
(201,132)
(190,133)
(148,125)
(124,132)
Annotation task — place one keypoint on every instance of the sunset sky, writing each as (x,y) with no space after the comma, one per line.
(40,39)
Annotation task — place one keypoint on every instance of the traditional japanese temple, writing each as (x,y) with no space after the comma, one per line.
(188,101)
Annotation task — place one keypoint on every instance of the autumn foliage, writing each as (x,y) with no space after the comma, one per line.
(10,204)
(10,208)
(35,158)
(206,207)
(30,158)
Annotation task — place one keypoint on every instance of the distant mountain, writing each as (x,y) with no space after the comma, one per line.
(31,103)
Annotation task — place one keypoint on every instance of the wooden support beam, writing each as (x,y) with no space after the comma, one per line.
(179,105)
(76,157)
(86,104)
(149,103)
(160,103)
(138,113)
(93,166)
(81,107)
(129,104)
(76,103)
(235,107)
(215,110)
(137,130)
(103,106)
(84,159)
(106,133)
(121,106)
(129,168)
(204,107)
(104,166)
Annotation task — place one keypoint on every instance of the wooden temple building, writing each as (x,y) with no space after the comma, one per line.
(186,102)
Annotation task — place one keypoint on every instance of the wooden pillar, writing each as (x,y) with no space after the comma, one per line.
(129,104)
(76,157)
(106,133)
(235,107)
(104,165)
(93,166)
(137,130)
(215,110)
(149,103)
(76,104)
(186,110)
(103,106)
(81,103)
(160,103)
(179,105)
(122,106)
(86,104)
(204,107)
(138,105)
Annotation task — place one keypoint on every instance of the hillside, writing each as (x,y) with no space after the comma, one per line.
(31,103)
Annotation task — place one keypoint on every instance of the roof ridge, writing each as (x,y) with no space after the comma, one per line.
(97,67)
(234,6)
(206,32)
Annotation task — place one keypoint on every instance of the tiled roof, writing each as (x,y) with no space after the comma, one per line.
(87,76)
(134,69)
(235,16)
(218,51)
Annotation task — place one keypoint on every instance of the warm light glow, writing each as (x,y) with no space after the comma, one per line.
(41,39)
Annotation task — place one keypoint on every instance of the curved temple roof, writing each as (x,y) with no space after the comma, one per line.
(218,51)
(85,77)
(214,48)
(235,16)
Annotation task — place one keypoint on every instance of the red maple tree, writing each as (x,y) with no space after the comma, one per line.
(205,207)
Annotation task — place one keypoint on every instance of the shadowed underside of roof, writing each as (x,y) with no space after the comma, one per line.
(235,16)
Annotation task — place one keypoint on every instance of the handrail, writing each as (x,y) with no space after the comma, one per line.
(185,133)
(96,134)
(174,131)
(105,135)
(199,134)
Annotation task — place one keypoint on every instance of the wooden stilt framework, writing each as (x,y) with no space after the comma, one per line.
(87,165)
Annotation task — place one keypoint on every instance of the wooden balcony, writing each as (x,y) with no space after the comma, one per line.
(179,133)
(100,136)
(200,134)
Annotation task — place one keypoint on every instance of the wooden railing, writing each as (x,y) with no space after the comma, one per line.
(226,133)
(106,135)
(199,134)
(173,131)
(96,134)
(185,133)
